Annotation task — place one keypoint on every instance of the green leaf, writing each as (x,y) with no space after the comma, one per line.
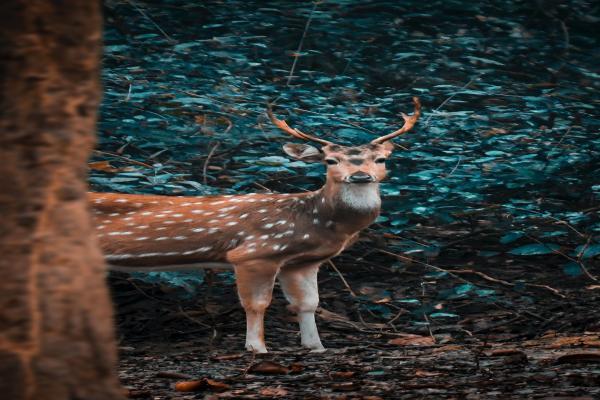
(589,252)
(535,249)
(511,237)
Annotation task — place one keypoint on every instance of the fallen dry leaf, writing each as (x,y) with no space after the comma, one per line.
(201,384)
(273,391)
(573,358)
(422,373)
(341,374)
(227,357)
(450,347)
(103,166)
(412,340)
(345,386)
(269,368)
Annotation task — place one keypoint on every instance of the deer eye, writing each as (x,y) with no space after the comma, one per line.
(380,160)
(331,161)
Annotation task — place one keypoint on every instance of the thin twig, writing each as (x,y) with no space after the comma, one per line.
(297,54)
(169,38)
(447,100)
(545,216)
(342,278)
(456,166)
(506,283)
(129,160)
(580,257)
(205,167)
(454,274)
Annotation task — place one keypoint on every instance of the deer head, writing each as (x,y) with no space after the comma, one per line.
(347,164)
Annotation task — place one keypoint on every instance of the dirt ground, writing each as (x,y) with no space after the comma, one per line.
(527,342)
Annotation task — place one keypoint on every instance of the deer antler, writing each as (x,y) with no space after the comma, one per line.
(409,122)
(281,124)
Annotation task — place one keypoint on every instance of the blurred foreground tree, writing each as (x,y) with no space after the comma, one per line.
(56,330)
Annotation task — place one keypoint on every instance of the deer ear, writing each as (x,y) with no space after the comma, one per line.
(388,147)
(303,152)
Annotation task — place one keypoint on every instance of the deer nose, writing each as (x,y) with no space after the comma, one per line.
(360,177)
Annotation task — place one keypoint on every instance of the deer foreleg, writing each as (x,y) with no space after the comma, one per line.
(255,288)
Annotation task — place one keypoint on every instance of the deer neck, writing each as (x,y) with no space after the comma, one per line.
(351,206)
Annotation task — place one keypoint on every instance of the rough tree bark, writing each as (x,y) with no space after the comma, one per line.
(56,330)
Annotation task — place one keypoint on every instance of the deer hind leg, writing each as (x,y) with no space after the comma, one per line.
(299,284)
(255,288)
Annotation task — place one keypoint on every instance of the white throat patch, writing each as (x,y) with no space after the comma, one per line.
(361,196)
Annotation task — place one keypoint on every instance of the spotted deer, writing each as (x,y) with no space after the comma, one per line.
(264,236)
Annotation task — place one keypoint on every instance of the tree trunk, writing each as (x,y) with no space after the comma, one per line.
(56,330)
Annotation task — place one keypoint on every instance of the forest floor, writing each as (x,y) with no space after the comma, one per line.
(533,342)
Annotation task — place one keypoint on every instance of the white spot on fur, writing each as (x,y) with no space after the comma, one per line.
(142,227)
(306,236)
(161,238)
(180,237)
(268,226)
(197,230)
(139,239)
(231,223)
(121,200)
(243,216)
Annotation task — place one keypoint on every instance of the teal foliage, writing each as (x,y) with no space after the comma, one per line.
(508,116)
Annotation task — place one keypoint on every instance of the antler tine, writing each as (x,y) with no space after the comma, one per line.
(281,124)
(409,122)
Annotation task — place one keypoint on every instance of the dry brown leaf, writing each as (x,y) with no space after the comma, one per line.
(269,368)
(450,347)
(273,391)
(573,358)
(413,340)
(421,373)
(227,357)
(103,166)
(345,386)
(341,374)
(201,384)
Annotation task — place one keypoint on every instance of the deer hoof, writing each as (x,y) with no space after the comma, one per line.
(256,348)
